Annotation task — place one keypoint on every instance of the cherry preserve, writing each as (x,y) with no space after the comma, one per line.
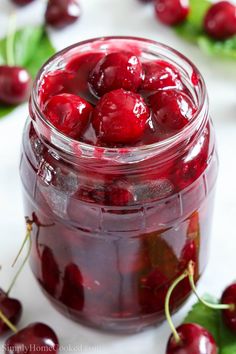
(118,167)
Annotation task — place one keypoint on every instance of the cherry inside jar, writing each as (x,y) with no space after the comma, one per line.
(118,214)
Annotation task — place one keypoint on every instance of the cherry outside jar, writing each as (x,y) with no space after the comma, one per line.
(113,227)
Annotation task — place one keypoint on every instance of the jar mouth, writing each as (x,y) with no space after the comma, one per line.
(75,147)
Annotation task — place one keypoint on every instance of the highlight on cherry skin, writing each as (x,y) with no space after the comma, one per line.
(61,13)
(120,117)
(68,113)
(220,20)
(15,84)
(116,70)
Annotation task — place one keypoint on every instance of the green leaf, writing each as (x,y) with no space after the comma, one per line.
(198,11)
(188,31)
(32,49)
(227,340)
(44,51)
(192,30)
(26,42)
(223,49)
(206,317)
(5,110)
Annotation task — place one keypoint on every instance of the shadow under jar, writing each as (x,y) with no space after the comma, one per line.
(113,227)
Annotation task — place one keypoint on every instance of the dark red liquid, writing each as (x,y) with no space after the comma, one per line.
(109,239)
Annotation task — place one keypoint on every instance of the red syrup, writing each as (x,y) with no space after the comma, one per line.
(125,217)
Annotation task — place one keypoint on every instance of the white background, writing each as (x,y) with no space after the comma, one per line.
(119,17)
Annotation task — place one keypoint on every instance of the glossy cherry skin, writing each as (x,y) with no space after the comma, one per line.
(15,84)
(220,20)
(55,83)
(172,109)
(120,117)
(229,316)
(11,308)
(171,12)
(114,71)
(35,338)
(194,340)
(159,74)
(68,113)
(61,13)
(22,2)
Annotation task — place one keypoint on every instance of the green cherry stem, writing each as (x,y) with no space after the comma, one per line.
(167,304)
(10,40)
(27,238)
(7,322)
(204,302)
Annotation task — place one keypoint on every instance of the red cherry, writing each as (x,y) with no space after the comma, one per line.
(119,193)
(171,12)
(35,338)
(188,253)
(120,117)
(61,13)
(68,113)
(14,84)
(229,316)
(55,83)
(72,291)
(159,75)
(11,308)
(194,340)
(172,109)
(220,20)
(50,271)
(22,2)
(114,71)
(153,289)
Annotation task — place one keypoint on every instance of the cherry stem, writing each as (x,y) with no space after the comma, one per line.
(7,322)
(167,305)
(204,302)
(27,238)
(10,40)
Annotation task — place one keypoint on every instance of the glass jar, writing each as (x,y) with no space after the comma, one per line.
(102,258)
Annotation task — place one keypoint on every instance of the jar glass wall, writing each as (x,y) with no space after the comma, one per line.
(114,227)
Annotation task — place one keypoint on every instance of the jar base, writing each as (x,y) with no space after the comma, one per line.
(121,326)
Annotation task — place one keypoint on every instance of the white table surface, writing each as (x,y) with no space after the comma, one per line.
(119,17)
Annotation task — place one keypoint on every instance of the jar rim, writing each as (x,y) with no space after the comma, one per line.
(64,142)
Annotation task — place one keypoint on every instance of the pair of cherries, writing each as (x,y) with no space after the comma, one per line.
(59,13)
(191,338)
(36,337)
(219,21)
